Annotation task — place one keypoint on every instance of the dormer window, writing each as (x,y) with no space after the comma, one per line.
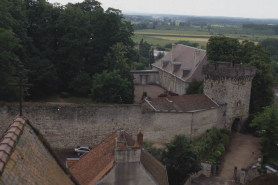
(164,62)
(175,66)
(185,71)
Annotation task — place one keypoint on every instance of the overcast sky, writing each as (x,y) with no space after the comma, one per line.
(228,8)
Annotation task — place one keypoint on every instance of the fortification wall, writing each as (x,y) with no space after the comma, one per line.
(230,86)
(70,126)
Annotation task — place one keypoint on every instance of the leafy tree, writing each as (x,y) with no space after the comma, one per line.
(181,160)
(192,44)
(81,84)
(111,88)
(139,66)
(151,56)
(209,27)
(160,55)
(195,87)
(228,49)
(268,121)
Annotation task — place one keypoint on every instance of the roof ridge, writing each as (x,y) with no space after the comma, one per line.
(9,139)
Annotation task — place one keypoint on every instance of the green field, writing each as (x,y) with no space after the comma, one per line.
(162,37)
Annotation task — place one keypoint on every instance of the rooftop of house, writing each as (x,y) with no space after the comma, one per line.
(184,103)
(99,166)
(25,158)
(184,58)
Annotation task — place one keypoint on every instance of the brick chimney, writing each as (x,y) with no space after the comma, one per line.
(197,57)
(173,52)
(140,138)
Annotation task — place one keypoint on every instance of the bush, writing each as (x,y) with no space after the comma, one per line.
(216,154)
(211,160)
(225,140)
(64,94)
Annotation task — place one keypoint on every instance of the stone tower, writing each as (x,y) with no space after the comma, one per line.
(230,86)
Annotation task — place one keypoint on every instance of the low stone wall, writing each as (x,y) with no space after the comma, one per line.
(250,172)
(69,126)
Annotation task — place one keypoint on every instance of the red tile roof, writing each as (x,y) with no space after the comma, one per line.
(91,167)
(185,55)
(100,160)
(183,103)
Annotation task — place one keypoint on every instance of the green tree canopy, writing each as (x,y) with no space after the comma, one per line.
(247,53)
(268,121)
(181,160)
(110,87)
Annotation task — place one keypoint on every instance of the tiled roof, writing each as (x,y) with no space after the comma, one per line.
(25,159)
(184,103)
(154,167)
(151,164)
(99,161)
(185,55)
(95,164)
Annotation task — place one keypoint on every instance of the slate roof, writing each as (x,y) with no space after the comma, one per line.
(183,103)
(185,55)
(100,160)
(26,159)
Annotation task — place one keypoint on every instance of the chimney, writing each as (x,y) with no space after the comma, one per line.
(140,138)
(197,57)
(173,52)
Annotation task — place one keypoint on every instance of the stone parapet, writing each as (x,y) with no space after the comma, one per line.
(224,71)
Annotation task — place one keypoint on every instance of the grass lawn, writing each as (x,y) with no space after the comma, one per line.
(52,98)
(78,100)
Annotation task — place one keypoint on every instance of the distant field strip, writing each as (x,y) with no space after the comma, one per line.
(161,35)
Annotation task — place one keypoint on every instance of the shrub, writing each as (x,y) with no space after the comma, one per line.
(64,95)
(216,154)
(225,139)
(211,160)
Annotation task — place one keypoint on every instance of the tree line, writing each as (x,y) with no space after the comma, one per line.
(59,48)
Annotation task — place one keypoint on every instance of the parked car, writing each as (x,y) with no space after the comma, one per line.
(258,133)
(82,149)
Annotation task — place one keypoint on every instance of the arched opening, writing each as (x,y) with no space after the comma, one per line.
(236,125)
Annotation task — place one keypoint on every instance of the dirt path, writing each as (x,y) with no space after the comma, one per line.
(239,154)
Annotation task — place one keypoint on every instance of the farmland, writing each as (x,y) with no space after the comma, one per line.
(198,34)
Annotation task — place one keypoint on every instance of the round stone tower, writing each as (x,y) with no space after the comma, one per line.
(230,86)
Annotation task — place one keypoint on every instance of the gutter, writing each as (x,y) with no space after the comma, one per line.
(211,99)
(150,105)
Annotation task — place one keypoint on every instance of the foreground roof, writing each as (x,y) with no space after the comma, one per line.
(98,166)
(184,103)
(186,56)
(25,159)
(95,164)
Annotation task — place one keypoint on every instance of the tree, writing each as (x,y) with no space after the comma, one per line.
(209,27)
(160,55)
(181,160)
(111,88)
(268,121)
(151,56)
(247,53)
(195,87)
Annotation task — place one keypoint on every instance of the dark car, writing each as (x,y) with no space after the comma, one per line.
(258,133)
(82,149)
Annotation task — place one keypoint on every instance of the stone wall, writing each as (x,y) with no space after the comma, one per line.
(145,77)
(171,82)
(230,86)
(70,126)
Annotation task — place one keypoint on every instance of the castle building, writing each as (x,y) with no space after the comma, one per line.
(225,100)
(175,70)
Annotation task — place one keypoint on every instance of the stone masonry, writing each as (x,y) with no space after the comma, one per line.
(231,86)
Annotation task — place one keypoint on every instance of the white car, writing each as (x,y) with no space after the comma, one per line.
(82,149)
